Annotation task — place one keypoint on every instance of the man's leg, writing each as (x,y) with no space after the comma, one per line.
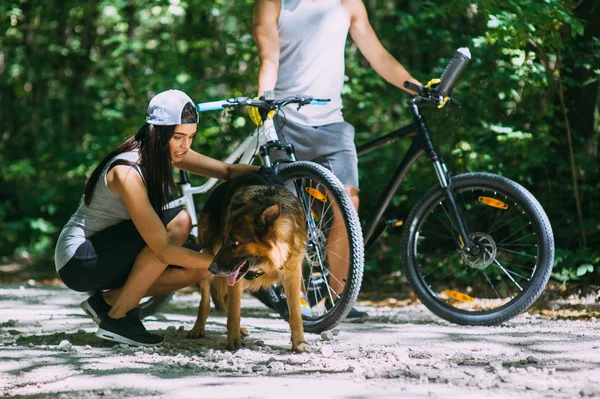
(338,252)
(333,147)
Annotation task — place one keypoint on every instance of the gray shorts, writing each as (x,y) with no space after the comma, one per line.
(329,145)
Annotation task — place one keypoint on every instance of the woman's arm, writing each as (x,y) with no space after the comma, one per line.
(199,164)
(124,181)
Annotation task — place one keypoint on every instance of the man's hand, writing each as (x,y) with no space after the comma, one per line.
(258,115)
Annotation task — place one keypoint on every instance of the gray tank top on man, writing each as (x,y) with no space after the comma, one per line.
(312,38)
(105,210)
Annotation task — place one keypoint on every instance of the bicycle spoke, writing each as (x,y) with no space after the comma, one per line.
(517,253)
(531,268)
(491,284)
(507,274)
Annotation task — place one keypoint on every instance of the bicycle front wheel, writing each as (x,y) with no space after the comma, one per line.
(510,265)
(333,265)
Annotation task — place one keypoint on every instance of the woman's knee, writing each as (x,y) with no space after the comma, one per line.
(196,275)
(179,228)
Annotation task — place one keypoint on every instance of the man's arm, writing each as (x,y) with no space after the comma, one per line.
(369,45)
(266,36)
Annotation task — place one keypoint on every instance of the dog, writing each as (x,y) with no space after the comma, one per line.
(258,231)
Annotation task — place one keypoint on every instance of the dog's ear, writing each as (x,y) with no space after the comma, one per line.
(269,214)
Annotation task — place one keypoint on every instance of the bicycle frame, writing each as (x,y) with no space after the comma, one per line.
(421,144)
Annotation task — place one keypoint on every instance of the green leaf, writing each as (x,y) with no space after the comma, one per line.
(583,269)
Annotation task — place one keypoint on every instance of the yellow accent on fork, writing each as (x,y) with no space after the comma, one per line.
(314,215)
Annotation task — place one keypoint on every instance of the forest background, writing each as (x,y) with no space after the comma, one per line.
(76,77)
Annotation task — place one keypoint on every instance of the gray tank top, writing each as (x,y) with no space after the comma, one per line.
(312,38)
(106,209)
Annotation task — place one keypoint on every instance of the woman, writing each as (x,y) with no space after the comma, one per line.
(120,241)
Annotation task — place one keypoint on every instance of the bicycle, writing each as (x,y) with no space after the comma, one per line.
(321,195)
(477,248)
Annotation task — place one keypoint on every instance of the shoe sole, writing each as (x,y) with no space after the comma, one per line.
(87,308)
(356,320)
(111,336)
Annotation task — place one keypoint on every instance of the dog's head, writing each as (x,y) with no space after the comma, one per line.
(249,231)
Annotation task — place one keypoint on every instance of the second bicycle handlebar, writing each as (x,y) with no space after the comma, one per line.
(438,93)
(301,100)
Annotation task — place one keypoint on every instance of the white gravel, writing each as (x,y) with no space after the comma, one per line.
(48,349)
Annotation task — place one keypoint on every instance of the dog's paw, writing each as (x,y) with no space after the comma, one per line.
(234,344)
(196,333)
(244,332)
(302,347)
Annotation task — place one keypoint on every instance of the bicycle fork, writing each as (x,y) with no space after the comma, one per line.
(456,218)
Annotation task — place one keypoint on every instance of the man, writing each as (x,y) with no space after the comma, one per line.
(301,46)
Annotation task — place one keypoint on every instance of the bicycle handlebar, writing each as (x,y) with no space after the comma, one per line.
(274,104)
(211,106)
(439,93)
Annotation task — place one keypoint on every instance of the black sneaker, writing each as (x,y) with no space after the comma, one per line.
(128,330)
(96,307)
(273,299)
(354,316)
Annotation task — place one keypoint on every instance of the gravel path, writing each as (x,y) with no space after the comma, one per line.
(48,349)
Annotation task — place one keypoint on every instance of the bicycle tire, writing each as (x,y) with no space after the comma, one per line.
(525,234)
(154,304)
(316,264)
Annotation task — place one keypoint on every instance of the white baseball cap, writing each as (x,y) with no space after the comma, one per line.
(166,108)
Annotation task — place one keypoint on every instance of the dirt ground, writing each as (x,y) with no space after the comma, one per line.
(48,349)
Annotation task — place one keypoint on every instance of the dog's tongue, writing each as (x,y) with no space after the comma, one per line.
(232,277)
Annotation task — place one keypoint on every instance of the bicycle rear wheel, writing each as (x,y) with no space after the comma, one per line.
(516,255)
(334,240)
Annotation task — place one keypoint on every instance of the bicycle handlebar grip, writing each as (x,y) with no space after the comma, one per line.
(318,102)
(211,106)
(453,71)
(412,86)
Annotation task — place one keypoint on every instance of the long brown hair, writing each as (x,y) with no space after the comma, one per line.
(152,142)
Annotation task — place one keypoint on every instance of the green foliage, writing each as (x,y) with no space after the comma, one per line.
(75,79)
(574,266)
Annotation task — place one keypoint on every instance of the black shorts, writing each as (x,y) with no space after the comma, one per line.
(105,260)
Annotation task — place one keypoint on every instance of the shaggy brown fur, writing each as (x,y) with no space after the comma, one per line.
(260,229)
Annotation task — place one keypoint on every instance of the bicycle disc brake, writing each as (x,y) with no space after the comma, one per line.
(485,253)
